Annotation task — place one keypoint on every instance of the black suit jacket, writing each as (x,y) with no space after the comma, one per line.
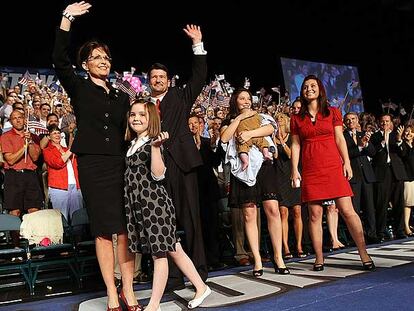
(175,109)
(408,159)
(207,180)
(100,117)
(361,167)
(379,161)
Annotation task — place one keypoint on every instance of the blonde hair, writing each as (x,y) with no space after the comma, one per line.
(154,123)
(285,117)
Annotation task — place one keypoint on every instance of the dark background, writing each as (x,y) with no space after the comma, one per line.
(243,39)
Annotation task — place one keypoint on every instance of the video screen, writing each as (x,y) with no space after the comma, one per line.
(341,82)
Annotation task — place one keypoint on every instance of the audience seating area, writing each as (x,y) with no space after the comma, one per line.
(34,264)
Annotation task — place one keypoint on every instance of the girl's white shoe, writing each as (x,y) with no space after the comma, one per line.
(198,301)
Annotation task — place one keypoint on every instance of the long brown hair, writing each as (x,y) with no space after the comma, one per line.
(234,109)
(323,104)
(154,123)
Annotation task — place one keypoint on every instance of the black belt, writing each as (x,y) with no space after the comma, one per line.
(20,171)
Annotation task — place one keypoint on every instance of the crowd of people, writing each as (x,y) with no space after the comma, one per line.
(148,168)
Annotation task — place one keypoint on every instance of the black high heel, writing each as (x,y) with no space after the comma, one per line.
(368,265)
(284,270)
(257,273)
(318,267)
(278,270)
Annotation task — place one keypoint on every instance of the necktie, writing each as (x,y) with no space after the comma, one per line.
(354,137)
(157,105)
(388,148)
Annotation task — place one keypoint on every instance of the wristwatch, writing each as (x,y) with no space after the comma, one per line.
(69,16)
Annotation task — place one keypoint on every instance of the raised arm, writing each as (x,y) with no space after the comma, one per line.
(199,66)
(60,56)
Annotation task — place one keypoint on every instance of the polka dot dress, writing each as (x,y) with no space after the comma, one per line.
(150,212)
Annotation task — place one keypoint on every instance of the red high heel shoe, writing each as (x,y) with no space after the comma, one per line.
(114,309)
(136,307)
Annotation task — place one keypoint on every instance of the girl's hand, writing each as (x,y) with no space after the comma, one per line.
(159,140)
(347,170)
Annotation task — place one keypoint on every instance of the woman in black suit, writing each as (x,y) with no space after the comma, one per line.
(100,112)
(408,159)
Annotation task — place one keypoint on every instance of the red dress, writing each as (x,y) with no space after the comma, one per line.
(322,172)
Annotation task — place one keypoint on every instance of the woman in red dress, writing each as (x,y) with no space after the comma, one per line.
(317,136)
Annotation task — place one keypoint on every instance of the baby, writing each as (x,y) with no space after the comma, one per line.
(248,124)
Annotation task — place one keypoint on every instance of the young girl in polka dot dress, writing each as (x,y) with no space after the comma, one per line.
(149,210)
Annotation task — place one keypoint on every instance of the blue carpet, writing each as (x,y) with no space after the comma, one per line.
(386,289)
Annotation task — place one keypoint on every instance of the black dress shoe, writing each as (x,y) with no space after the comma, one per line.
(368,265)
(217,266)
(141,278)
(372,240)
(318,267)
(174,286)
(400,236)
(381,239)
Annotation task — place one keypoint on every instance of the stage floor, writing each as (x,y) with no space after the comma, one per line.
(343,285)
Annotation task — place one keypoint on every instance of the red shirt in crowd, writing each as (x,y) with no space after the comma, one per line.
(57,170)
(11,142)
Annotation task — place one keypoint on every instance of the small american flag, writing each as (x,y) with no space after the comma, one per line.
(26,79)
(37,128)
(125,87)
(276,89)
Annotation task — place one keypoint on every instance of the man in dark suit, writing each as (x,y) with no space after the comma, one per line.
(209,192)
(181,155)
(390,174)
(359,149)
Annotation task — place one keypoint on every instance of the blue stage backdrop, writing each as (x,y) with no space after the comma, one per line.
(342,83)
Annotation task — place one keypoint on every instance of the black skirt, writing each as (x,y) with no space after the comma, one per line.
(101,179)
(289,196)
(264,189)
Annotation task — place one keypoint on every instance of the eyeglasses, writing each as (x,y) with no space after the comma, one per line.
(100,58)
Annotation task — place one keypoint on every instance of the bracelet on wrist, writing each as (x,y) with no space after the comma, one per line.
(69,16)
